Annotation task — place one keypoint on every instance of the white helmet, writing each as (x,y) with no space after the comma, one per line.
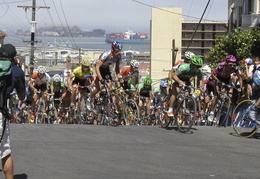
(56,78)
(41,69)
(188,55)
(134,63)
(206,69)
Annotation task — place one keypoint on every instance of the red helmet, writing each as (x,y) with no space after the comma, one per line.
(116,46)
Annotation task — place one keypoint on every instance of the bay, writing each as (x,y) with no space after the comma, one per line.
(75,42)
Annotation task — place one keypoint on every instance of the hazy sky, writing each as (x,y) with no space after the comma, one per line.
(110,15)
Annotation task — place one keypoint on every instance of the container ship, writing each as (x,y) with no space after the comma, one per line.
(128,37)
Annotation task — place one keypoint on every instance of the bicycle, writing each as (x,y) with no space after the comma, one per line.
(52,114)
(111,110)
(145,118)
(86,113)
(40,115)
(130,110)
(242,124)
(185,110)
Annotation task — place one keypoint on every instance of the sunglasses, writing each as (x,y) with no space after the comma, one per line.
(85,66)
(232,64)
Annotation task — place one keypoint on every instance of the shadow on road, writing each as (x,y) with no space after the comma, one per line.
(21,176)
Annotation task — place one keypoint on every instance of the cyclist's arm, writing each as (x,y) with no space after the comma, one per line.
(98,65)
(69,80)
(32,86)
(177,79)
(52,88)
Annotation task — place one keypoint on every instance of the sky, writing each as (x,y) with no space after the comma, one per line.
(110,15)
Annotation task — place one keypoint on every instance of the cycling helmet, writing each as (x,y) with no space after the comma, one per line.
(56,78)
(163,83)
(116,46)
(196,60)
(148,81)
(134,63)
(249,61)
(85,62)
(206,69)
(188,55)
(41,69)
(231,58)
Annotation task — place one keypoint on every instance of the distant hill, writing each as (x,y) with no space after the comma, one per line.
(54,31)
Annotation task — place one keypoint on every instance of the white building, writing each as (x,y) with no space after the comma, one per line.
(243,13)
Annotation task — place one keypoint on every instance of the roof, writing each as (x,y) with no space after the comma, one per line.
(2,34)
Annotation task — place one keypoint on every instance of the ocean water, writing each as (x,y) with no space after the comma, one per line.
(76,42)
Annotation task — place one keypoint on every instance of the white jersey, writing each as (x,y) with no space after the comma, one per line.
(46,79)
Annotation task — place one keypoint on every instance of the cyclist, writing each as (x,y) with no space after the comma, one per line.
(129,75)
(182,76)
(187,59)
(102,68)
(65,103)
(39,81)
(221,75)
(82,77)
(146,89)
(253,110)
(57,88)
(160,93)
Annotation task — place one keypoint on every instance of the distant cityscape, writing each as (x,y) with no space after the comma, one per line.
(61,31)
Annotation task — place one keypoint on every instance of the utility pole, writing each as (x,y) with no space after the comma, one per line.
(33,27)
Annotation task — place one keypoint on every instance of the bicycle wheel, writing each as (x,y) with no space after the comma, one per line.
(165,120)
(185,114)
(242,125)
(40,116)
(223,112)
(131,112)
(115,110)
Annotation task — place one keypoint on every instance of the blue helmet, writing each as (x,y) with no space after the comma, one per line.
(163,83)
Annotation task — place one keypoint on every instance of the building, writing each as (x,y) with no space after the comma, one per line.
(166,32)
(243,13)
(203,39)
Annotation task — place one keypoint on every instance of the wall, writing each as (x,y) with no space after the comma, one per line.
(166,25)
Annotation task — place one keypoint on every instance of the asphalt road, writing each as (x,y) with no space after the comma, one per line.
(145,152)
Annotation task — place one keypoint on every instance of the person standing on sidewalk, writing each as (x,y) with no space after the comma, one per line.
(16,80)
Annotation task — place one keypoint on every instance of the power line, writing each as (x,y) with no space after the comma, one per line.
(198,25)
(62,24)
(172,12)
(68,25)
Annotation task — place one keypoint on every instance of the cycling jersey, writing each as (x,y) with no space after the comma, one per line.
(38,82)
(131,78)
(58,88)
(145,91)
(223,73)
(176,65)
(108,59)
(79,73)
(184,72)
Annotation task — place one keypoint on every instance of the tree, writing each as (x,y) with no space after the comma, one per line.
(242,44)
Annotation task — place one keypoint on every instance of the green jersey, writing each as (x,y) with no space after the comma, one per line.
(58,88)
(184,72)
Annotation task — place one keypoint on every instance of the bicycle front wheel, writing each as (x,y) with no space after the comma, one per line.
(242,125)
(131,112)
(185,114)
(40,116)
(223,112)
